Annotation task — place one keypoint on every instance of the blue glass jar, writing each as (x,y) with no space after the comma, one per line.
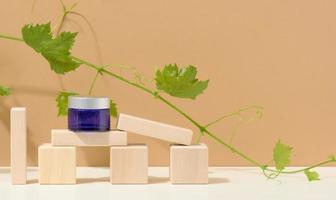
(88,113)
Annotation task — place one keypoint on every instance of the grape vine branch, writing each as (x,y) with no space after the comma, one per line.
(172,80)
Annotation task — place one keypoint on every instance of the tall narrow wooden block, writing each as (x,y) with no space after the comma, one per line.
(57,165)
(129,164)
(18,145)
(65,137)
(154,129)
(189,164)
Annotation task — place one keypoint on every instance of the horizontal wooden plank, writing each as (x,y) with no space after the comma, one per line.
(65,137)
(154,129)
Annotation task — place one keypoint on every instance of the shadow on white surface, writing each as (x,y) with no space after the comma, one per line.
(4,170)
(157,179)
(32,181)
(217,180)
(93,180)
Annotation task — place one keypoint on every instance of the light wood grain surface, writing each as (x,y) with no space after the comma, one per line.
(57,165)
(18,145)
(154,129)
(189,164)
(129,164)
(65,137)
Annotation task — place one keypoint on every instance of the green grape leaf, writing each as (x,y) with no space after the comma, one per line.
(113,109)
(281,155)
(180,83)
(62,102)
(5,91)
(37,36)
(312,175)
(55,50)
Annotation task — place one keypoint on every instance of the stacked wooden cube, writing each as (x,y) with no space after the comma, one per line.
(57,160)
(128,162)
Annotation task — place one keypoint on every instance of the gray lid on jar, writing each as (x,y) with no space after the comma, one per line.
(83,102)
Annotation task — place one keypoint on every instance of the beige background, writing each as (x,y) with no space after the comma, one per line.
(279,54)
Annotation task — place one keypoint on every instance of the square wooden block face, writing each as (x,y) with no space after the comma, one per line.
(57,165)
(129,164)
(189,164)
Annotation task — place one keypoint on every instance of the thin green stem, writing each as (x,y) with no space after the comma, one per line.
(181,112)
(234,130)
(233,114)
(263,167)
(199,137)
(304,169)
(271,175)
(72,6)
(63,5)
(33,6)
(233,149)
(93,32)
(65,13)
(11,37)
(93,83)
(61,23)
(112,74)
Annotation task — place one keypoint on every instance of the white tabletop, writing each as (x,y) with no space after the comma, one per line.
(224,183)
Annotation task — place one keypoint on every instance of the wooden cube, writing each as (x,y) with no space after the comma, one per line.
(189,164)
(57,165)
(129,164)
(18,145)
(65,137)
(154,129)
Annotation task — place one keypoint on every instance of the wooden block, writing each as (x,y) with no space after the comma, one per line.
(65,137)
(18,145)
(129,164)
(189,164)
(57,165)
(154,129)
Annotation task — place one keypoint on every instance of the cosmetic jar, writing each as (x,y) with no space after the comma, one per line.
(88,113)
